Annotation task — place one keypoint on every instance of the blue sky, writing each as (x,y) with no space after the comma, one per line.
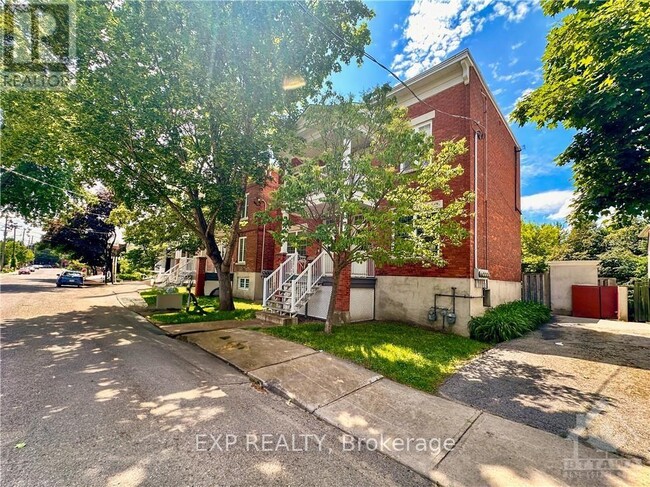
(507,39)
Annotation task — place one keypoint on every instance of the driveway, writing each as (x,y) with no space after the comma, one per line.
(585,380)
(94,395)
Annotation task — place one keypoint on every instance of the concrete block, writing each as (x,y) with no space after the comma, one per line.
(388,413)
(248,350)
(276,319)
(499,452)
(314,380)
(169,301)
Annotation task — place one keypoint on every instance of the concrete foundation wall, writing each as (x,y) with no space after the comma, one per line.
(405,298)
(409,299)
(361,304)
(563,275)
(500,292)
(254,292)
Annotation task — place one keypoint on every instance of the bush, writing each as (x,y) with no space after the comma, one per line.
(129,276)
(508,321)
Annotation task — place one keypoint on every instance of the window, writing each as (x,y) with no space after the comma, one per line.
(244,208)
(241,251)
(299,249)
(410,230)
(244,283)
(424,128)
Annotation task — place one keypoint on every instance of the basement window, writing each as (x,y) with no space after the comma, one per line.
(244,283)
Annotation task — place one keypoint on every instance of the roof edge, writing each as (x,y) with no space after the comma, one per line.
(464,54)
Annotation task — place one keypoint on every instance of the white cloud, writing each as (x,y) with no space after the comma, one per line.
(435,28)
(513,61)
(536,74)
(498,91)
(394,43)
(514,47)
(554,205)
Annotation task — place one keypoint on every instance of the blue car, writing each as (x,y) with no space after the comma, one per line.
(70,278)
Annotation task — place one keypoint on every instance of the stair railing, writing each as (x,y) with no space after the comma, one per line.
(274,282)
(306,280)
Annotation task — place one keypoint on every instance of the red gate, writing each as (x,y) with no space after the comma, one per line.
(595,301)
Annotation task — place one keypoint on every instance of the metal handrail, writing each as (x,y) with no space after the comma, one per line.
(306,281)
(274,282)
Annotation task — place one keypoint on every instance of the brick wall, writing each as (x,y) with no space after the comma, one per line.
(497,194)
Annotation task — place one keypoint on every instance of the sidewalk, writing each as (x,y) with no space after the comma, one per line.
(450,443)
(482,449)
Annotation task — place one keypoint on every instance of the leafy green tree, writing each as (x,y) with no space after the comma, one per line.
(625,256)
(39,177)
(18,254)
(45,255)
(180,105)
(596,80)
(539,244)
(583,240)
(363,206)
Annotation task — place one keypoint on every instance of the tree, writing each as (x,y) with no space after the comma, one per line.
(181,104)
(596,80)
(539,244)
(625,254)
(39,177)
(18,254)
(152,234)
(367,208)
(583,240)
(45,255)
(86,235)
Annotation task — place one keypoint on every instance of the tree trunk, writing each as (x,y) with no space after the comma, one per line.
(336,275)
(226,302)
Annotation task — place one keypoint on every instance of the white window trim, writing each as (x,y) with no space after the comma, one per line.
(244,215)
(246,280)
(239,251)
(406,168)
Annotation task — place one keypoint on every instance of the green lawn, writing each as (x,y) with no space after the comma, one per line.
(416,357)
(244,310)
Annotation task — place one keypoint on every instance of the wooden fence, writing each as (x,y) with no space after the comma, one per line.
(536,288)
(641,299)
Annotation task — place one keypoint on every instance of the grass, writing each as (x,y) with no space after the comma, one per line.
(508,321)
(416,357)
(244,309)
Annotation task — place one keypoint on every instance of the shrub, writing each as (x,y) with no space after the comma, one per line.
(508,321)
(129,276)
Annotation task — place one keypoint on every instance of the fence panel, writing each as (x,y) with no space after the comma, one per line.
(536,288)
(641,298)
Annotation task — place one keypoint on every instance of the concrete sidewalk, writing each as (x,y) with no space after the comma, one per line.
(447,442)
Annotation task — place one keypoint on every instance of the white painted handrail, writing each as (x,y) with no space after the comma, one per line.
(274,282)
(306,280)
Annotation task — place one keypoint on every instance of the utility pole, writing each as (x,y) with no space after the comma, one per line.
(4,243)
(13,248)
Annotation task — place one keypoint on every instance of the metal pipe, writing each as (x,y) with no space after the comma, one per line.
(475,199)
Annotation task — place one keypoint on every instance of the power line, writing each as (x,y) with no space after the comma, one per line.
(380,64)
(53,185)
(62,189)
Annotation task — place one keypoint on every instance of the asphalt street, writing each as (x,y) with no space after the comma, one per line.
(93,395)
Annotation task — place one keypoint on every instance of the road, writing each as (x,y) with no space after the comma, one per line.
(100,398)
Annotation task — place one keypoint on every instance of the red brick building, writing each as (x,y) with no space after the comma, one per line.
(483,271)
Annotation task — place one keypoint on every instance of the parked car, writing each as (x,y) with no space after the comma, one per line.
(32,268)
(24,270)
(70,278)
